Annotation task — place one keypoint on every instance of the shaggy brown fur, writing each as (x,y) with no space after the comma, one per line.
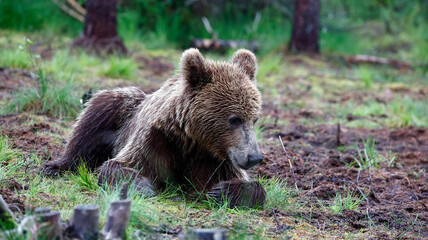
(197,129)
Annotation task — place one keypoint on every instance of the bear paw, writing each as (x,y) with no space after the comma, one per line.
(51,169)
(144,187)
(239,193)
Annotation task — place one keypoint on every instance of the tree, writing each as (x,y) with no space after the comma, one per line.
(305,33)
(100,28)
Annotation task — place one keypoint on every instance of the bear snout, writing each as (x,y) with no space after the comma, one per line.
(254,159)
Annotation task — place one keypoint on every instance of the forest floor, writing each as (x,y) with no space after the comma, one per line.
(356,136)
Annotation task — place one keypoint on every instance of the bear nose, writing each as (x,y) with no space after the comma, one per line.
(254,159)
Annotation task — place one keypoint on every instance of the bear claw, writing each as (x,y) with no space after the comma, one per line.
(51,169)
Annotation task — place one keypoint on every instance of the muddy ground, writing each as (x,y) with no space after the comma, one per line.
(394,194)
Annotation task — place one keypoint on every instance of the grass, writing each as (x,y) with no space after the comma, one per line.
(350,201)
(49,97)
(85,179)
(278,194)
(400,112)
(14,58)
(368,157)
(120,67)
(6,151)
(169,210)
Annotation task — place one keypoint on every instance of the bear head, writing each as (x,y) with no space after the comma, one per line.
(224,105)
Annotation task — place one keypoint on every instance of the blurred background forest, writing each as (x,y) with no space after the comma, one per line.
(348,27)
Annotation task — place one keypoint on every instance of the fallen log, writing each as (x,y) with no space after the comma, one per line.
(223,45)
(215,44)
(357,59)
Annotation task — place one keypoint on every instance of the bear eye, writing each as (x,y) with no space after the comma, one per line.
(235,121)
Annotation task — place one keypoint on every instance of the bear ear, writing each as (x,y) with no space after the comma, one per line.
(247,61)
(193,67)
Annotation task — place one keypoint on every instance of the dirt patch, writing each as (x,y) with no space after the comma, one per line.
(16,203)
(13,79)
(158,66)
(31,139)
(395,193)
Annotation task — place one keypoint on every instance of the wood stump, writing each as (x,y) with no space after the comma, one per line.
(100,29)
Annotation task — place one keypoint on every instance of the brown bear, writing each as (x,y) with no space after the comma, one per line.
(197,130)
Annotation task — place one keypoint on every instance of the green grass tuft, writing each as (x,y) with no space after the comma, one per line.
(85,179)
(120,67)
(14,58)
(279,195)
(350,201)
(6,151)
(50,97)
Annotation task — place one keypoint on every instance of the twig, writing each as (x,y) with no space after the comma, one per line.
(209,29)
(369,177)
(338,135)
(362,193)
(358,175)
(278,225)
(69,11)
(377,60)
(291,166)
(76,6)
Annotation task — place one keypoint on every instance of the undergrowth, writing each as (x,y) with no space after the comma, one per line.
(50,97)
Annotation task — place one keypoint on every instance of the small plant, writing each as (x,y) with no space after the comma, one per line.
(391,158)
(48,98)
(278,194)
(85,179)
(348,202)
(367,157)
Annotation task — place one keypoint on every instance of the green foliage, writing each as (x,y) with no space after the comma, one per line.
(14,58)
(268,65)
(350,201)
(85,179)
(368,157)
(6,151)
(8,171)
(120,67)
(49,97)
(400,112)
(366,76)
(29,15)
(278,194)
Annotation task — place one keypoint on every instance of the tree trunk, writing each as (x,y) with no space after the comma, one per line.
(100,29)
(305,34)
